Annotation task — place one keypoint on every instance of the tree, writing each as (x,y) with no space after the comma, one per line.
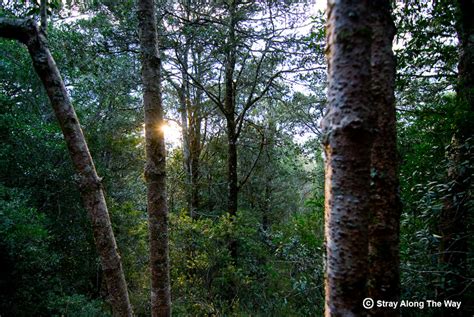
(348,130)
(155,169)
(28,33)
(244,63)
(185,16)
(385,206)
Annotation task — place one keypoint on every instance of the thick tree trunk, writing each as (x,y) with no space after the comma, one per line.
(27,32)
(348,128)
(384,274)
(155,170)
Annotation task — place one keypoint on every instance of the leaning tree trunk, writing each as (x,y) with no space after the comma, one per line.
(348,128)
(384,274)
(27,32)
(155,170)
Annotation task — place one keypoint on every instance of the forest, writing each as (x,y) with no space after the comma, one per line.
(236,158)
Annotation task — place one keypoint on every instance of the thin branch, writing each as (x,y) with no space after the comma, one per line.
(245,179)
(198,84)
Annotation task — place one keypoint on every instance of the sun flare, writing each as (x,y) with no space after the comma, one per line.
(172,132)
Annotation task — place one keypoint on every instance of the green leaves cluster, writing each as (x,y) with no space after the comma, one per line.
(278,272)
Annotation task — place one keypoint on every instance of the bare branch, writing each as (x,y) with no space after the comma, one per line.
(245,179)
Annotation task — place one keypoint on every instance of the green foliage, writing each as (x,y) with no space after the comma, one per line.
(131,231)
(432,119)
(422,271)
(77,306)
(26,257)
(278,272)
(426,145)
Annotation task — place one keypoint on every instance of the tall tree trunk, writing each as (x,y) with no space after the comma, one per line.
(231,130)
(384,274)
(455,213)
(266,203)
(195,151)
(229,107)
(229,111)
(233,190)
(348,128)
(232,168)
(155,169)
(270,133)
(191,128)
(44,15)
(184,101)
(28,32)
(195,145)
(190,103)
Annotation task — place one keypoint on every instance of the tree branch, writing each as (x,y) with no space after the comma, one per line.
(260,151)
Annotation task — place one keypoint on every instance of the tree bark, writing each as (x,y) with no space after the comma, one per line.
(195,146)
(231,130)
(44,15)
(195,152)
(155,169)
(348,131)
(229,107)
(232,169)
(28,33)
(233,190)
(384,262)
